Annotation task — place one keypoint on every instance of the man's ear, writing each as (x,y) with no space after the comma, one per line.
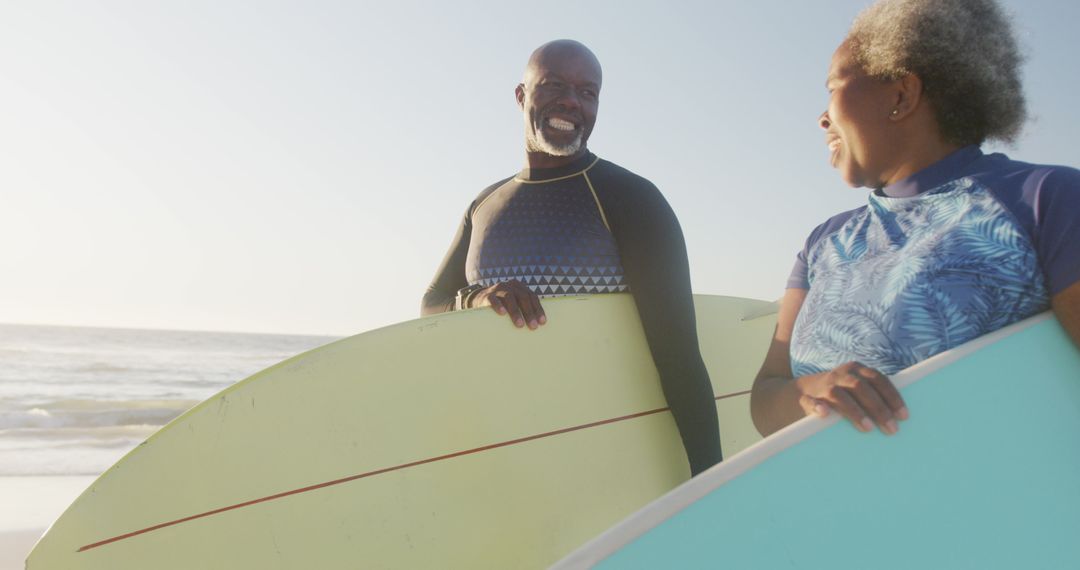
(907,96)
(519,94)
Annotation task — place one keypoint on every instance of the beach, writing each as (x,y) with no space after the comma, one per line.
(31,504)
(75,400)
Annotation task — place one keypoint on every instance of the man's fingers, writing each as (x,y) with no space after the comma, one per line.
(513,310)
(526,299)
(538,309)
(496,304)
(515,300)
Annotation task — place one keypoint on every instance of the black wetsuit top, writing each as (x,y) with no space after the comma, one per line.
(593,227)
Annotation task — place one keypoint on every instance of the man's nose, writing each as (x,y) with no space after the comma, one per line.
(824,120)
(569,98)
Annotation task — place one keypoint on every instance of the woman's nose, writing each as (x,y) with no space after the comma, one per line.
(824,121)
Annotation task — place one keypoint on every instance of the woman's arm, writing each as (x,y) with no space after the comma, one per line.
(774,400)
(1066,305)
(859,393)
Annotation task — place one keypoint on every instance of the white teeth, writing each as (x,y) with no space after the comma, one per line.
(560,124)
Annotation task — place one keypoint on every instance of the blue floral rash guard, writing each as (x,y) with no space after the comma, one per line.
(964,247)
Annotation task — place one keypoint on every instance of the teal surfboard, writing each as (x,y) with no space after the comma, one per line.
(985,474)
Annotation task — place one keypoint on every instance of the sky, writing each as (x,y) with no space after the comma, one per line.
(301,167)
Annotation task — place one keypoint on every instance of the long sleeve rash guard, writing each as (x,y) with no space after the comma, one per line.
(593,227)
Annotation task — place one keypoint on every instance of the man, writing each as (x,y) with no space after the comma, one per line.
(571,223)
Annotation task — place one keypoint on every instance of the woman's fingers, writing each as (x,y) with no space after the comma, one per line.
(814,407)
(843,402)
(861,394)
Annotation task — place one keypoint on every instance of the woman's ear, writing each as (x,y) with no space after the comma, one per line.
(907,96)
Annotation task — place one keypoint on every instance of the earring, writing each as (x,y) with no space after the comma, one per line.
(894,112)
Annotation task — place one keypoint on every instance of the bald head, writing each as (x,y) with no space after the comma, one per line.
(559,96)
(560,52)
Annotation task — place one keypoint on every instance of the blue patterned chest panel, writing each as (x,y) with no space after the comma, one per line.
(910,277)
(549,236)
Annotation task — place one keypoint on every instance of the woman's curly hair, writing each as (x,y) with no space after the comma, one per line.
(963,50)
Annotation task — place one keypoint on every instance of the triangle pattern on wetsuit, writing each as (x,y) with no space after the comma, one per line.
(547,235)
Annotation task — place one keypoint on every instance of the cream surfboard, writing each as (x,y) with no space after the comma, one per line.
(985,474)
(452,441)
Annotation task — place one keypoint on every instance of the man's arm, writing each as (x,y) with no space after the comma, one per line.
(450,276)
(510,298)
(654,260)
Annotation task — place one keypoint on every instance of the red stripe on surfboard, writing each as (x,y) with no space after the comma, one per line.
(385,470)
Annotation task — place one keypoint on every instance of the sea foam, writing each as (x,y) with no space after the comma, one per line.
(74,400)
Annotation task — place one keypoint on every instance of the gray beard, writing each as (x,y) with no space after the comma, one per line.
(536,142)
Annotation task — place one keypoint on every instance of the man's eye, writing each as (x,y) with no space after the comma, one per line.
(588,93)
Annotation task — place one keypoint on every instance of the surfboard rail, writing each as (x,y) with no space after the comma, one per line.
(597,552)
(398,448)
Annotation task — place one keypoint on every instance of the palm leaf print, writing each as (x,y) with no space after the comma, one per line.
(907,278)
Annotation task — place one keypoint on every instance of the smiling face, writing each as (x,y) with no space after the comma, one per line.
(857,123)
(559,99)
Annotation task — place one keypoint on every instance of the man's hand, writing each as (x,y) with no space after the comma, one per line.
(512,298)
(859,393)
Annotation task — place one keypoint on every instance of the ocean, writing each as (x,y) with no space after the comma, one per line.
(74,400)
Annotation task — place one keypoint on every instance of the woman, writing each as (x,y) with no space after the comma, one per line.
(952,243)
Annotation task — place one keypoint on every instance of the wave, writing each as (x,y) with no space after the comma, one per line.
(94,414)
(104,367)
(37,439)
(67,451)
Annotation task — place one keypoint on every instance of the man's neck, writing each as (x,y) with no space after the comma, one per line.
(534,160)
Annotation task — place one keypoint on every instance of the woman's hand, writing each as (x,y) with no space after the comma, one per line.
(859,393)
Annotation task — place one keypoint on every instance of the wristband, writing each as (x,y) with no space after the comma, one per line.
(461,301)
